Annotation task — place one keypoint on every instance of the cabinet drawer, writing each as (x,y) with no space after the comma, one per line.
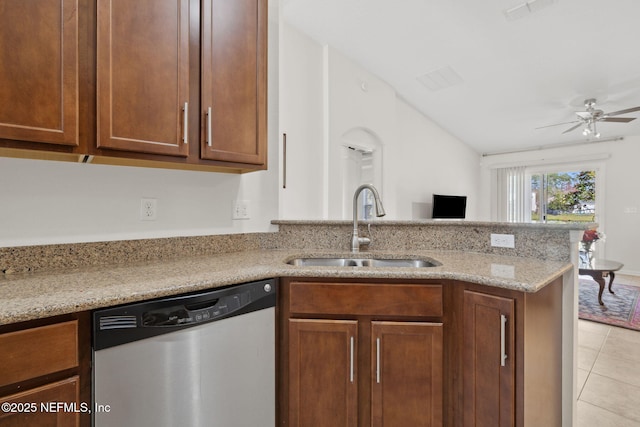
(24,409)
(366,299)
(38,351)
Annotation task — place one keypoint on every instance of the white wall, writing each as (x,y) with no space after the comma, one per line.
(419,157)
(427,160)
(56,202)
(358,104)
(43,202)
(619,198)
(301,118)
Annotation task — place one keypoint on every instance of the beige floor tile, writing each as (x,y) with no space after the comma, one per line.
(621,369)
(592,340)
(593,416)
(627,334)
(614,396)
(628,279)
(595,327)
(586,358)
(622,347)
(581,379)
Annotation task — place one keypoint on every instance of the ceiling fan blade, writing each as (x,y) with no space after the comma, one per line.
(558,124)
(618,119)
(585,115)
(572,128)
(628,110)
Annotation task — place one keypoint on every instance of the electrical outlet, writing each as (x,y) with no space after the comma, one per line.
(148,209)
(241,209)
(503,240)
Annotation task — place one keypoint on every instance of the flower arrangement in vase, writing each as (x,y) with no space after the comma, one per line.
(588,239)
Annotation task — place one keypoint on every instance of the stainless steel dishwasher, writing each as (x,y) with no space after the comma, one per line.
(205,359)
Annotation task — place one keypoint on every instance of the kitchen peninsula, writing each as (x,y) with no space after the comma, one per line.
(43,281)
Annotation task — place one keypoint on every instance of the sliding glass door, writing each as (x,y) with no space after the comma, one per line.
(567,196)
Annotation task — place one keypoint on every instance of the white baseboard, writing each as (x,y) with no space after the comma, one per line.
(629,272)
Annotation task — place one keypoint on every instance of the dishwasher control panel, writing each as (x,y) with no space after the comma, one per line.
(197,313)
(132,322)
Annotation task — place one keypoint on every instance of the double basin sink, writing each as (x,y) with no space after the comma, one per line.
(362,262)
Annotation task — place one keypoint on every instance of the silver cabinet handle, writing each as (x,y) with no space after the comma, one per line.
(185,131)
(209,139)
(378,360)
(503,337)
(284,160)
(351,366)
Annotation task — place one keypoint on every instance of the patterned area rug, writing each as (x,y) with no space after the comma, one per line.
(619,309)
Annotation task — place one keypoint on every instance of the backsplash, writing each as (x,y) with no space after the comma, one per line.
(538,241)
(23,259)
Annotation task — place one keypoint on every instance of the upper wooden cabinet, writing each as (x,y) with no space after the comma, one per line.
(39,71)
(234,78)
(163,83)
(146,102)
(143,76)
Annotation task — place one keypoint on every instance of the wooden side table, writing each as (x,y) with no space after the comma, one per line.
(598,269)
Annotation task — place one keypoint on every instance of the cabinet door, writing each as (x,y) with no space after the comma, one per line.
(25,408)
(323,373)
(406,374)
(488,355)
(143,81)
(234,81)
(39,71)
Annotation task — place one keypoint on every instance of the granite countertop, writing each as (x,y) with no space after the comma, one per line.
(27,296)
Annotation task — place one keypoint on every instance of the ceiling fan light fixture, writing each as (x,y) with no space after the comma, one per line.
(588,119)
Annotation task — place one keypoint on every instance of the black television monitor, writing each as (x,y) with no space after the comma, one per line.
(449,207)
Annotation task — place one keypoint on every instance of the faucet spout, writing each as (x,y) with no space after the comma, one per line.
(357,241)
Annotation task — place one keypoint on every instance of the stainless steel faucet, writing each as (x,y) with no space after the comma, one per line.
(355,240)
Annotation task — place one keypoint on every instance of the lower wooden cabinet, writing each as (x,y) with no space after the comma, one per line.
(323,372)
(391,353)
(510,353)
(488,356)
(44,406)
(406,377)
(382,366)
(46,371)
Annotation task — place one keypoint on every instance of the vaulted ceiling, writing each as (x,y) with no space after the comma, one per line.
(492,71)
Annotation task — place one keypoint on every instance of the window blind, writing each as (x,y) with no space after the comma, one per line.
(513,190)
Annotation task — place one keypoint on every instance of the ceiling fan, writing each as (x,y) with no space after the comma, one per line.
(589,118)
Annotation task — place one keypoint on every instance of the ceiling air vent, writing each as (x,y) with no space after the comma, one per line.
(525,9)
(440,78)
